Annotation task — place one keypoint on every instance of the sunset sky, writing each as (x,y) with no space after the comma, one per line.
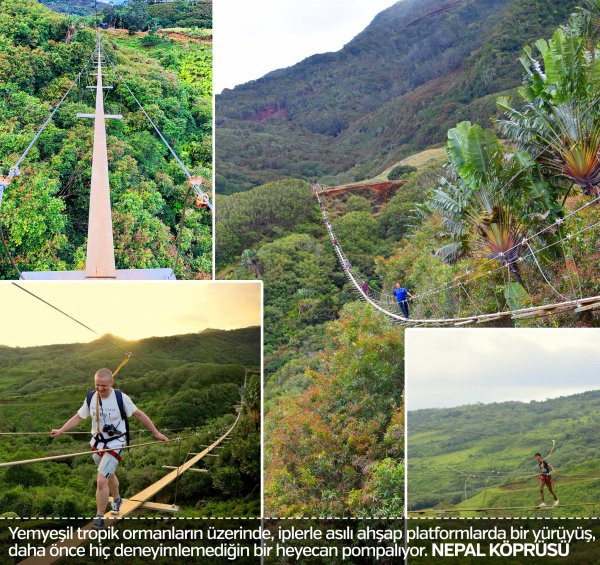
(129,310)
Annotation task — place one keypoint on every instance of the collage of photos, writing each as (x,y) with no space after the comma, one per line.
(337,265)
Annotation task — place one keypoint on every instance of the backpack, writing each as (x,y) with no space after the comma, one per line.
(119,396)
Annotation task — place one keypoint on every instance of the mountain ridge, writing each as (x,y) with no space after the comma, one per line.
(313,114)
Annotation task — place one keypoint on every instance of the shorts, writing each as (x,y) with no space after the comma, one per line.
(106,463)
(546,480)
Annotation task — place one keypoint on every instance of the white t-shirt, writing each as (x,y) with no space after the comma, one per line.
(109,414)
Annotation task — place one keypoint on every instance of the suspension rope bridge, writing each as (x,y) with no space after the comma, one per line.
(141,500)
(100,255)
(385,303)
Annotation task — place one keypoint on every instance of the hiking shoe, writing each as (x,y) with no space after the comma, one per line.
(555,502)
(541,504)
(116,506)
(98,522)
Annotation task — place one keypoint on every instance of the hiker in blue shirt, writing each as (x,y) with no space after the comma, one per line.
(401,293)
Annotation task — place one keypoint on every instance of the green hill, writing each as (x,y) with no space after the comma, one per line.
(140,15)
(481,456)
(191,392)
(396,88)
(320,343)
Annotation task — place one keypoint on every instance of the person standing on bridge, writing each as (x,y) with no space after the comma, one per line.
(365,288)
(401,293)
(109,409)
(545,480)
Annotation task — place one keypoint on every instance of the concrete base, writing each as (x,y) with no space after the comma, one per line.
(122,275)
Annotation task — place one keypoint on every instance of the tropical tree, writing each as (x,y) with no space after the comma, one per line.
(251,262)
(559,123)
(487,199)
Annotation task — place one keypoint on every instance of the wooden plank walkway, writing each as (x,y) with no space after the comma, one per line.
(100,247)
(137,501)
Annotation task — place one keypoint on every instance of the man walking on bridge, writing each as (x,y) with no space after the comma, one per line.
(545,480)
(401,293)
(109,409)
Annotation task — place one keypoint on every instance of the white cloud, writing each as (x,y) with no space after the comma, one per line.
(453,367)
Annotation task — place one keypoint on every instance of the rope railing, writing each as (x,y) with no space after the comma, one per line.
(384,302)
(195,182)
(15,170)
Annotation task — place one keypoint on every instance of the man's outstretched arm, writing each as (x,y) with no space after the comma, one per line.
(140,416)
(67,425)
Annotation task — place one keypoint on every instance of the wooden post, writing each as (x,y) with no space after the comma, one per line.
(100,261)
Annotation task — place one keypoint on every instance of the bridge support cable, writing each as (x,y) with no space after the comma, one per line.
(137,501)
(202,198)
(15,171)
(575,305)
(112,342)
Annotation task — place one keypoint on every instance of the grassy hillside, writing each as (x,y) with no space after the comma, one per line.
(481,456)
(139,14)
(394,89)
(45,212)
(195,385)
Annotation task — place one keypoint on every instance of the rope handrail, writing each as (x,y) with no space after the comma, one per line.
(14,171)
(492,508)
(112,342)
(69,455)
(195,182)
(551,308)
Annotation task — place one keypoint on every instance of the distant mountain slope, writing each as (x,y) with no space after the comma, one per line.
(482,455)
(416,70)
(27,370)
(75,7)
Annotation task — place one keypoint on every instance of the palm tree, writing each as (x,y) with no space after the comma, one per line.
(487,198)
(560,123)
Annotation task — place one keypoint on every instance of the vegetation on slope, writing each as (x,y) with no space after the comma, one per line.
(481,456)
(45,212)
(526,185)
(192,392)
(394,89)
(139,15)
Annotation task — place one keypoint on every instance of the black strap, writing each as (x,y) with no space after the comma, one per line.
(124,417)
(121,405)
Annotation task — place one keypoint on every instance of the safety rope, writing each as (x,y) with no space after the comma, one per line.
(128,353)
(69,455)
(195,182)
(352,276)
(122,364)
(37,135)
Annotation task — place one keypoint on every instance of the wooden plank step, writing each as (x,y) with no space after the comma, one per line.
(157,506)
(106,116)
(464,323)
(189,470)
(588,307)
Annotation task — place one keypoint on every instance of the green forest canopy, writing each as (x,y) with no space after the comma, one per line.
(44,212)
